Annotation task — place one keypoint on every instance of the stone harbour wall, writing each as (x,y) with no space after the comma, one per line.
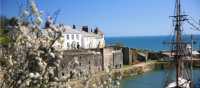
(138,69)
(77,64)
(100,79)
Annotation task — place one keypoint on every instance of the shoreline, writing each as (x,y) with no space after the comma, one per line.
(118,74)
(137,69)
(122,73)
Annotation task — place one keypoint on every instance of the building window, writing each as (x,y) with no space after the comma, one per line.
(72,36)
(68,45)
(77,37)
(67,37)
(78,45)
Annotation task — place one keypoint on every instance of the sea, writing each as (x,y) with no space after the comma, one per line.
(153,43)
(155,78)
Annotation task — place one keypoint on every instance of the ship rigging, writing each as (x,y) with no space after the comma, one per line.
(181,53)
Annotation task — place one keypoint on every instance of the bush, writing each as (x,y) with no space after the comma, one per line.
(4,39)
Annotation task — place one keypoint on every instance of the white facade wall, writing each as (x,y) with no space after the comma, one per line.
(86,40)
(72,38)
(91,40)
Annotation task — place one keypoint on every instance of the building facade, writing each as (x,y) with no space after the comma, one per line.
(82,38)
(72,38)
(112,58)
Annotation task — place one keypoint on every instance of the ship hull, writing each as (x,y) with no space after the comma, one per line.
(183,83)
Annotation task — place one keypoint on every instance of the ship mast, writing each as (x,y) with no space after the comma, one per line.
(178,40)
(180,50)
(179,44)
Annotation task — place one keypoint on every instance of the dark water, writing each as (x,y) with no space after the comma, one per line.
(154,43)
(153,79)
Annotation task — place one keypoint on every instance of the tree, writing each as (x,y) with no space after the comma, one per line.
(13,21)
(4,21)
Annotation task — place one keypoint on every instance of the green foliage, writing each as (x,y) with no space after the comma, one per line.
(144,50)
(13,21)
(4,21)
(4,39)
(3,32)
(118,45)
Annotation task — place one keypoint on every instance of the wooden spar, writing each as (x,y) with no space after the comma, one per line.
(181,51)
(178,40)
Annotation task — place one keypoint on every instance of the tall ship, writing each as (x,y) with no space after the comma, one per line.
(181,52)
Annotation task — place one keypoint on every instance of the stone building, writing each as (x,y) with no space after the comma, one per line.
(112,58)
(107,58)
(117,58)
(77,64)
(131,56)
(127,56)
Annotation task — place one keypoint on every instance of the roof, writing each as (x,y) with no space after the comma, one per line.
(70,30)
(91,34)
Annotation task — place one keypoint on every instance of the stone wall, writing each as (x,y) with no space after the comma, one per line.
(112,58)
(132,56)
(108,58)
(117,58)
(196,63)
(127,56)
(135,69)
(79,64)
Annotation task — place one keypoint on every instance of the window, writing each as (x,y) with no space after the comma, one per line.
(68,45)
(67,36)
(72,36)
(78,46)
(77,36)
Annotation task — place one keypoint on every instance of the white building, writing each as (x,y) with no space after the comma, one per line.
(91,40)
(82,38)
(72,38)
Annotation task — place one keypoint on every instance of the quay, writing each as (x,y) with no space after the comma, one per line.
(118,74)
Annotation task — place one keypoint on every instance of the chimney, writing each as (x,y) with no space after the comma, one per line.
(91,30)
(85,28)
(74,26)
(96,30)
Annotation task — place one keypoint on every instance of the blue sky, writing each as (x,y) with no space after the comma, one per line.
(114,17)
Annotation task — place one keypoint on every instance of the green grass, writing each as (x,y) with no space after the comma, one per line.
(4,40)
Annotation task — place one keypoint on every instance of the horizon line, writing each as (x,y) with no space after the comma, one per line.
(147,35)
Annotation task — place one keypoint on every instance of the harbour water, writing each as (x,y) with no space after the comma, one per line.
(154,43)
(154,79)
